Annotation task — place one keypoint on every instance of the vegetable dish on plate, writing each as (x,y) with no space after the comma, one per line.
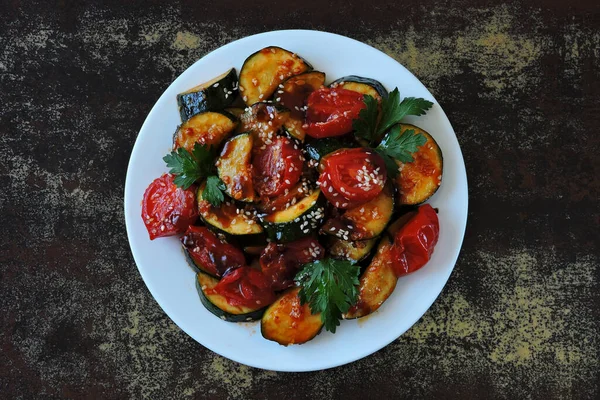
(297,203)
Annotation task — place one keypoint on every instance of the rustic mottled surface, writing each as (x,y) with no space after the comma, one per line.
(520,316)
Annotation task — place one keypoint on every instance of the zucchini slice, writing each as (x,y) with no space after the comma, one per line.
(287,322)
(196,266)
(297,221)
(419,180)
(235,168)
(362,85)
(351,251)
(218,305)
(376,284)
(293,96)
(265,70)
(296,89)
(235,111)
(264,120)
(213,95)
(230,221)
(365,221)
(318,148)
(207,128)
(293,127)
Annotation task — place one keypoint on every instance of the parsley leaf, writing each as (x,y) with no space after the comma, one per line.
(393,110)
(329,287)
(366,124)
(396,146)
(213,192)
(190,167)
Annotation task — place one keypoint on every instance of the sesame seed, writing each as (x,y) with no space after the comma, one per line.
(216,84)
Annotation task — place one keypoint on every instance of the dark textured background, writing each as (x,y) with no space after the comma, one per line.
(520,315)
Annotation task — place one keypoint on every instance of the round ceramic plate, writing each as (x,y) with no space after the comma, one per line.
(172,282)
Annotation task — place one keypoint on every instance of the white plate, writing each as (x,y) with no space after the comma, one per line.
(172,283)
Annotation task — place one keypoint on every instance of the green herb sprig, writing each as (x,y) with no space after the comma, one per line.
(330,287)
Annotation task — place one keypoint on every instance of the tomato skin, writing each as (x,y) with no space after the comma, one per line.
(206,249)
(350,177)
(246,286)
(331,111)
(281,262)
(168,210)
(414,242)
(333,195)
(277,166)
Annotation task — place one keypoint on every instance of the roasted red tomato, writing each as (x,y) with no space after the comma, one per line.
(167,209)
(206,249)
(330,112)
(415,240)
(351,177)
(246,286)
(281,262)
(277,166)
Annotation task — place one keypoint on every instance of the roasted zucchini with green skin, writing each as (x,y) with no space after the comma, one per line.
(230,221)
(296,90)
(293,96)
(264,120)
(235,111)
(210,128)
(365,221)
(419,180)
(297,221)
(362,85)
(376,283)
(265,70)
(318,148)
(218,305)
(235,168)
(351,251)
(213,95)
(196,267)
(287,322)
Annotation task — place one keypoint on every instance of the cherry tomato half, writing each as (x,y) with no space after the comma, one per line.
(415,240)
(330,112)
(206,249)
(246,286)
(351,177)
(167,209)
(277,166)
(281,262)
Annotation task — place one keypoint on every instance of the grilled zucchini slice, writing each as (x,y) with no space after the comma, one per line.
(376,283)
(365,221)
(287,322)
(293,96)
(419,180)
(209,128)
(362,85)
(351,251)
(235,111)
(318,148)
(265,70)
(264,121)
(218,305)
(213,95)
(230,221)
(297,221)
(235,168)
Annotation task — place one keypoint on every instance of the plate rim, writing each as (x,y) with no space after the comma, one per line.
(182,324)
